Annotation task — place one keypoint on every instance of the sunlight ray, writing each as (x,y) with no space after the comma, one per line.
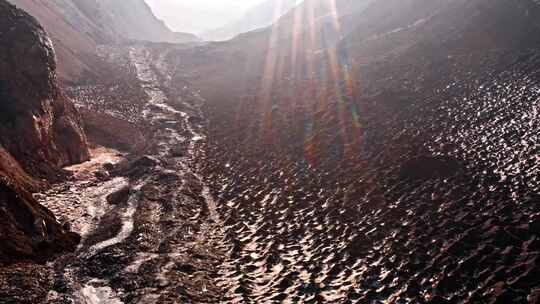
(297,43)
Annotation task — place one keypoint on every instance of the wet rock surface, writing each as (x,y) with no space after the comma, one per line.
(149,232)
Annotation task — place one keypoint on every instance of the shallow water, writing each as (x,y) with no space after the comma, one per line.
(98,295)
(150,240)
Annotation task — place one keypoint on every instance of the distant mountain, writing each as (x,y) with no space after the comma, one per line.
(195,16)
(135,20)
(260,16)
(77,27)
(320,23)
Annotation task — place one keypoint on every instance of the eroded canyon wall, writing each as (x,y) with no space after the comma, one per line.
(40,131)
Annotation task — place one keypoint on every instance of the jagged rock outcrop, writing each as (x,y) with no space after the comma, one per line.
(78,27)
(40,129)
(75,32)
(39,125)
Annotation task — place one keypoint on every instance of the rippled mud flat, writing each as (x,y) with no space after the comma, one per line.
(382,228)
(237,222)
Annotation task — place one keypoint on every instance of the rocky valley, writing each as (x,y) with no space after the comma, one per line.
(351,152)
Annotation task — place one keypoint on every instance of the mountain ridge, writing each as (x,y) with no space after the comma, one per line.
(258,17)
(77,27)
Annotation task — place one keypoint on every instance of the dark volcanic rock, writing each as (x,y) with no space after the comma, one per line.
(119,197)
(441,94)
(146,162)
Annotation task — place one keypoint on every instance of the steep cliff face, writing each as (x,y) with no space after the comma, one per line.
(39,128)
(38,123)
(74,34)
(77,27)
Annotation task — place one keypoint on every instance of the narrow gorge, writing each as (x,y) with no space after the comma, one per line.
(351,152)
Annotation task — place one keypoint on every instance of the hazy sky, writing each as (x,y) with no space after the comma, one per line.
(196,16)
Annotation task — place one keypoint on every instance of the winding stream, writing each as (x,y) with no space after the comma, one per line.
(148,237)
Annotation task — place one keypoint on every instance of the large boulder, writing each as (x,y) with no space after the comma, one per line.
(119,197)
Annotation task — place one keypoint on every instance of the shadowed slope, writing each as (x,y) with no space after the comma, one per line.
(40,129)
(393,159)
